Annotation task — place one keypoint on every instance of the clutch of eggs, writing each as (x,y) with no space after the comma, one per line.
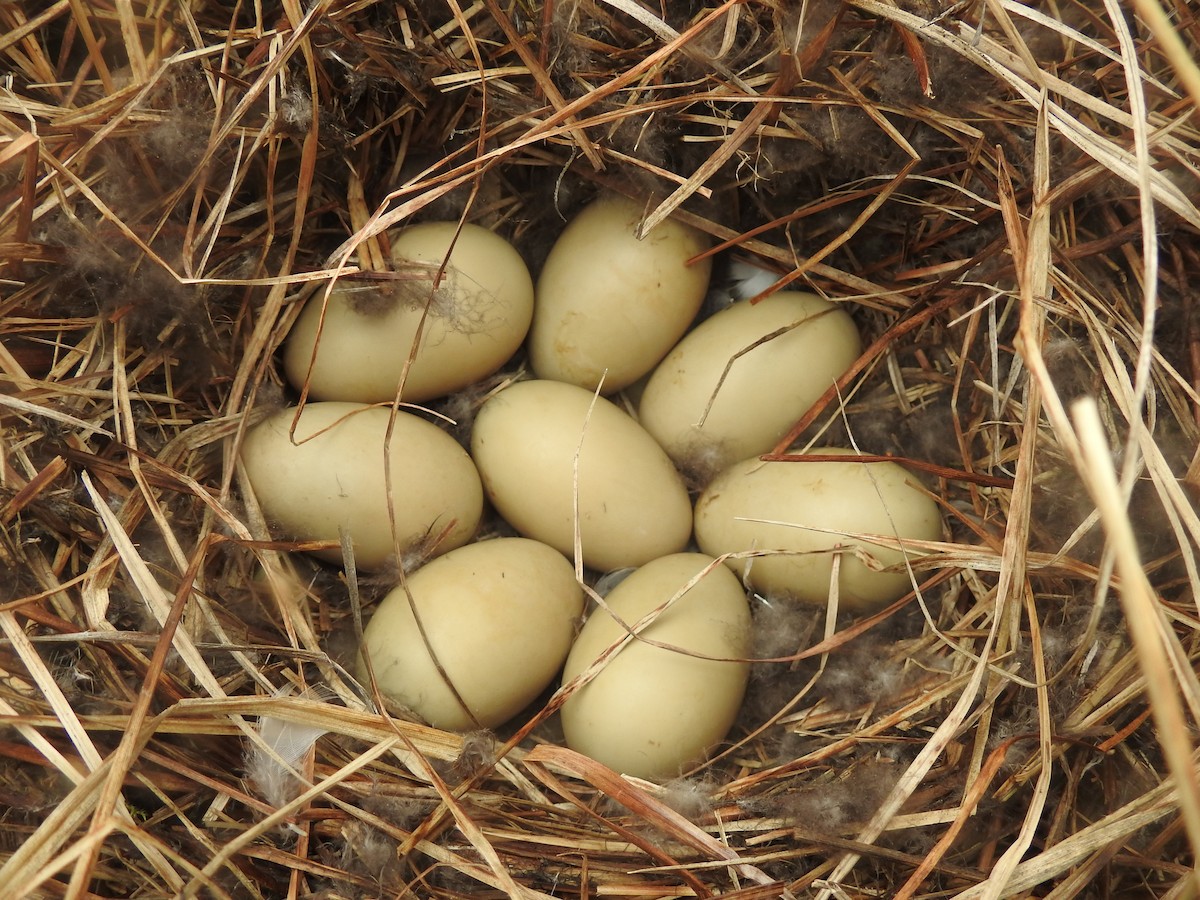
(478,633)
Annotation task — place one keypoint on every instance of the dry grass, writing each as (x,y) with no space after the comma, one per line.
(1004,196)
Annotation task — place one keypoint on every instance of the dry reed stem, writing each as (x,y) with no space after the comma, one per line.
(1141,611)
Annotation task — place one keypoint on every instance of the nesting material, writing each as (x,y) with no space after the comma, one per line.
(1000,195)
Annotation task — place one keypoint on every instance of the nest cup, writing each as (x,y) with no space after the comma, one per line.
(1000,195)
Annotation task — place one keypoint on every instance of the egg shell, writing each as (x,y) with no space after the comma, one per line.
(498,617)
(334,475)
(840,498)
(653,712)
(633,506)
(479,315)
(756,396)
(611,305)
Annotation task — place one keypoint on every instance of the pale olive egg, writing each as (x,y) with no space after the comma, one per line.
(653,711)
(477,317)
(737,382)
(633,507)
(809,508)
(335,474)
(495,624)
(610,305)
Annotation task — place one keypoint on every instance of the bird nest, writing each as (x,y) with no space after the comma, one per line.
(1000,193)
